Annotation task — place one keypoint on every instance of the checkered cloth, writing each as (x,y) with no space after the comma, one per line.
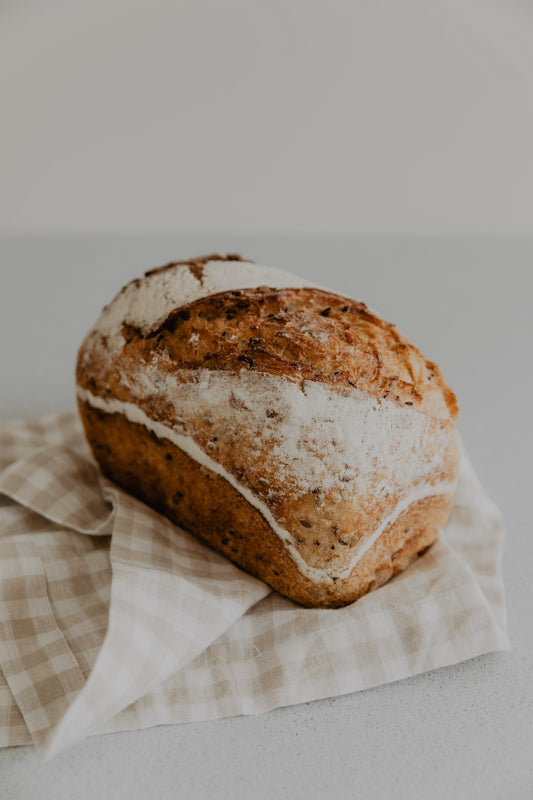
(112,618)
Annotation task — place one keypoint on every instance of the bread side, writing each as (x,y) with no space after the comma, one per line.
(161,474)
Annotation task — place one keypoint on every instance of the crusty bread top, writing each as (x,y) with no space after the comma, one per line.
(300,332)
(146,302)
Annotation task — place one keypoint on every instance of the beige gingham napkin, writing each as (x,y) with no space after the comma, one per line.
(112,618)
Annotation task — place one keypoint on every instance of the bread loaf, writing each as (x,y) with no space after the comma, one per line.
(288,427)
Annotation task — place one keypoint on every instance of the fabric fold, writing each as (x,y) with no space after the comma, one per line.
(171,598)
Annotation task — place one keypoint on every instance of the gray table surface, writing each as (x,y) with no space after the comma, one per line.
(464,731)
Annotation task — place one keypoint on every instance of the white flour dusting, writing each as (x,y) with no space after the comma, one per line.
(189,446)
(147,303)
(307,434)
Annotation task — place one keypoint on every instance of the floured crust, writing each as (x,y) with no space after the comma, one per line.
(304,333)
(319,417)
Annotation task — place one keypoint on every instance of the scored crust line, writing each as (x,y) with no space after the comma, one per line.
(187,444)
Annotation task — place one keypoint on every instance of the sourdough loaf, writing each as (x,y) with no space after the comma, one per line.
(290,428)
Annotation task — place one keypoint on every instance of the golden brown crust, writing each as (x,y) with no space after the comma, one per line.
(166,478)
(308,334)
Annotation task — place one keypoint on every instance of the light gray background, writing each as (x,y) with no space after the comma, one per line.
(350,117)
(459,732)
